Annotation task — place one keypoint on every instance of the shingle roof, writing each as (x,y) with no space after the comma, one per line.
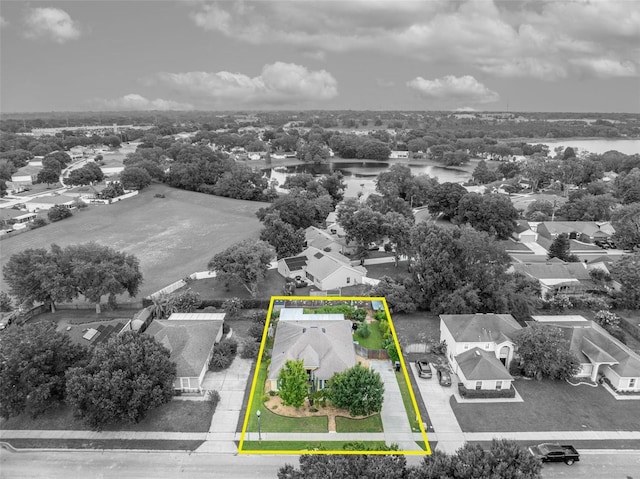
(479,365)
(476,328)
(586,227)
(322,264)
(190,342)
(325,346)
(554,270)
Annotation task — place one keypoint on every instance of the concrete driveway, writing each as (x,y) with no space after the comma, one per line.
(436,399)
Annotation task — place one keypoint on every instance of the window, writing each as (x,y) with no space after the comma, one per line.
(184,383)
(498,385)
(348,280)
(487,345)
(632,382)
(478,385)
(466,346)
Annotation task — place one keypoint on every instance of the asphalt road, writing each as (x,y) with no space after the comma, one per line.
(124,465)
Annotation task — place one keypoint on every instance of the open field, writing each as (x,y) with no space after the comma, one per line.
(176,416)
(551,406)
(172,236)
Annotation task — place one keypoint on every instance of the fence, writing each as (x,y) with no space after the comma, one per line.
(168,289)
(370,281)
(203,275)
(371,353)
(69,306)
(416,348)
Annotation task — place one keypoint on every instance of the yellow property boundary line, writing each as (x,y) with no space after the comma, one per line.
(241,450)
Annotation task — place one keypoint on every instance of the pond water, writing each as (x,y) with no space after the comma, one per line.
(597,145)
(360,175)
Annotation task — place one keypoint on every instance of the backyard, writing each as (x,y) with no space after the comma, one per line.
(551,406)
(172,236)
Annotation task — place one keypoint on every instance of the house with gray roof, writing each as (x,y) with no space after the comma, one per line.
(190,337)
(480,348)
(585,231)
(324,346)
(326,270)
(599,353)
(557,277)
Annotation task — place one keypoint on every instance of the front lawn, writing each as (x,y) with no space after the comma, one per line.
(550,406)
(305,446)
(374,340)
(399,273)
(271,422)
(176,416)
(368,424)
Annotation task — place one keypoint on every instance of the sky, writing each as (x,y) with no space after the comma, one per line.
(485,55)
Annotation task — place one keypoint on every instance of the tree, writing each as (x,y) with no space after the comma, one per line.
(245,263)
(482,174)
(358,389)
(300,208)
(112,190)
(89,173)
(444,199)
(560,248)
(48,176)
(340,466)
(627,272)
(397,228)
(493,213)
(374,150)
(58,212)
(33,361)
(286,240)
(135,178)
(244,183)
(6,303)
(125,378)
(544,352)
(334,185)
(396,182)
(364,226)
(626,221)
(292,383)
(539,210)
(589,208)
(95,270)
(398,298)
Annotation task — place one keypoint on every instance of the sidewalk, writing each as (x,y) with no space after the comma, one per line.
(394,418)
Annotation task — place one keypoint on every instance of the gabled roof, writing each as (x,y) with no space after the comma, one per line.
(481,328)
(52,200)
(595,353)
(548,270)
(320,239)
(480,365)
(586,227)
(322,264)
(189,341)
(324,346)
(522,226)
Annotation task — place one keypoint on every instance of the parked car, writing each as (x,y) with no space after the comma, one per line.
(549,452)
(444,378)
(424,370)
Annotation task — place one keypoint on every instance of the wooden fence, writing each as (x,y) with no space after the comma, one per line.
(371,353)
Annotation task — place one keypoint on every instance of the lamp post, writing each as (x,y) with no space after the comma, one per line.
(258,413)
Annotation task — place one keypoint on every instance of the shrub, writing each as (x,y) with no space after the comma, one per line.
(607,318)
(250,350)
(359,315)
(560,302)
(255,331)
(58,212)
(38,223)
(228,347)
(390,347)
(485,393)
(213,398)
(219,361)
(232,306)
(515,369)
(273,393)
(363,330)
(380,315)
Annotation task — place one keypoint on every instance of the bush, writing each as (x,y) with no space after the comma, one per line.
(560,302)
(228,347)
(485,393)
(515,369)
(38,223)
(363,330)
(223,354)
(380,315)
(250,350)
(213,398)
(58,212)
(359,315)
(255,331)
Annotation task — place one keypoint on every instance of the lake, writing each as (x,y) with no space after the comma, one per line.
(360,175)
(597,145)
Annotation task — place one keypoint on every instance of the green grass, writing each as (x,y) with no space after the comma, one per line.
(271,422)
(406,400)
(176,416)
(302,445)
(374,340)
(171,236)
(368,424)
(213,288)
(156,445)
(551,406)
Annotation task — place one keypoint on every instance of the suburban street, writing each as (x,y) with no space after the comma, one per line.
(123,465)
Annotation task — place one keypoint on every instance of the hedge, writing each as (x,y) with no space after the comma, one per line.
(486,393)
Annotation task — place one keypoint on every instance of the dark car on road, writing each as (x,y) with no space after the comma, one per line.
(424,370)
(548,452)
(444,378)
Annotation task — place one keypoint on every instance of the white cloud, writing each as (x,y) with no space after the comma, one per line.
(3,22)
(537,39)
(606,67)
(451,88)
(465,108)
(51,23)
(278,83)
(136,102)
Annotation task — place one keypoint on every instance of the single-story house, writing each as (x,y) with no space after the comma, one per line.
(47,202)
(326,270)
(327,242)
(555,277)
(332,226)
(15,219)
(398,154)
(27,175)
(524,233)
(585,231)
(190,337)
(480,348)
(599,353)
(325,347)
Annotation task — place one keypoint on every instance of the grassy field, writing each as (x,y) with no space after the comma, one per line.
(172,236)
(213,288)
(176,416)
(270,422)
(374,340)
(369,424)
(551,406)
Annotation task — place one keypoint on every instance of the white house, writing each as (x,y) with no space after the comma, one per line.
(480,348)
(39,203)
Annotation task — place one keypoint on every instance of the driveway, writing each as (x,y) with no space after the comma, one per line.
(436,399)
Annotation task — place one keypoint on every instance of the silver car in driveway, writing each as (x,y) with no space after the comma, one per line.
(424,370)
